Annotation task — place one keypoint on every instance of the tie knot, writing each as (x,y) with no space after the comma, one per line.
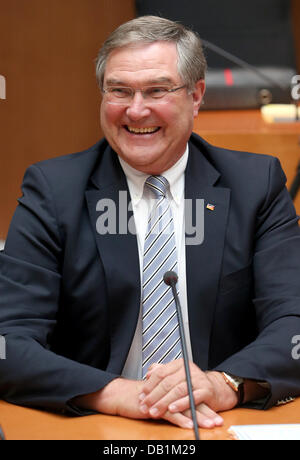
(158,185)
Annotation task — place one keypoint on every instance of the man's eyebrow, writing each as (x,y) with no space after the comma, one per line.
(113,81)
(152,81)
(156,81)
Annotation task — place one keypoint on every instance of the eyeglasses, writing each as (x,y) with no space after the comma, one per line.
(124,94)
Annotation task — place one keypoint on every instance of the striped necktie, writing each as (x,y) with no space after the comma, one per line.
(161,339)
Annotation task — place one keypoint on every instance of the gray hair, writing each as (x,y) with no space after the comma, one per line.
(149,29)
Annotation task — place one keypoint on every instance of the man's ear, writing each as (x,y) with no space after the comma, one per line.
(198,94)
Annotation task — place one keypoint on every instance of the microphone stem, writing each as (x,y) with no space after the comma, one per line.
(186,361)
(241,63)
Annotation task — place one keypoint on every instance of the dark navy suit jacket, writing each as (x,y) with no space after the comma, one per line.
(70,297)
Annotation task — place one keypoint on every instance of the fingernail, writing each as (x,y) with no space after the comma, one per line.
(218,420)
(144,409)
(153,411)
(173,408)
(142,396)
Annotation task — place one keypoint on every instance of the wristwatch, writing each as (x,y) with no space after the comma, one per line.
(237,384)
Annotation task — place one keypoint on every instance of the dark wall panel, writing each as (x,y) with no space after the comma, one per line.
(259,31)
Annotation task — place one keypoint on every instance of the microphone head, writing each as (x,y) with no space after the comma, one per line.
(170,278)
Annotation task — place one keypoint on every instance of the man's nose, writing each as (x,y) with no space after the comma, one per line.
(137,108)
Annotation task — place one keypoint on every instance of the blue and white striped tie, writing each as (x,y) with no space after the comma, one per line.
(161,339)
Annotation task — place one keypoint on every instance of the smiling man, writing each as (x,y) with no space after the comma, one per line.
(150,137)
(88,322)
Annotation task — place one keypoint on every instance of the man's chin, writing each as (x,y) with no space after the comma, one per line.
(142,162)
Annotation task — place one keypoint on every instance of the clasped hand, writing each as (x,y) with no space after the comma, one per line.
(164,395)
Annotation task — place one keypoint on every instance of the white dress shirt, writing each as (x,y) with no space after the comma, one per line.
(142,201)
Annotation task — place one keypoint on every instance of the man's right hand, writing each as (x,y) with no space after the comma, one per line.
(121,397)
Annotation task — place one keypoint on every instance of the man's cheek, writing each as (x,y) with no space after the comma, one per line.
(110,114)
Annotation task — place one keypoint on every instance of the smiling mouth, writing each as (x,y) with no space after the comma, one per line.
(140,131)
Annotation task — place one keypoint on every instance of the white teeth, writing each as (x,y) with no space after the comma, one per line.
(141,130)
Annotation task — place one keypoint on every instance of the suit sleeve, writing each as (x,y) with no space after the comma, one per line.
(276,271)
(30,279)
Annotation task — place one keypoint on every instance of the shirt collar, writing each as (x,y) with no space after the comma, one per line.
(175,176)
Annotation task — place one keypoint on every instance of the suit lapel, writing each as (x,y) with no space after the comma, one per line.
(107,202)
(203,261)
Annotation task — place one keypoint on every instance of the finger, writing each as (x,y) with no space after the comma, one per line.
(178,419)
(180,405)
(206,417)
(166,391)
(170,387)
(157,372)
(200,395)
(158,405)
(174,372)
(151,369)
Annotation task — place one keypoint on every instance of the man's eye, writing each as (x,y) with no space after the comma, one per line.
(120,92)
(156,91)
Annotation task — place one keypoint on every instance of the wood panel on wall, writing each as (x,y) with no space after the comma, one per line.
(47,54)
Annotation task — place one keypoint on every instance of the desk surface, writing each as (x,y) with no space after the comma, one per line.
(20,423)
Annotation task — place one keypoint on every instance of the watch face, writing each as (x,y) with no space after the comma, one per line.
(238,380)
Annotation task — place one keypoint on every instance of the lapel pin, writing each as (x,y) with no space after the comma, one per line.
(211,207)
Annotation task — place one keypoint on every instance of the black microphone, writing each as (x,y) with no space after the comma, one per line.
(170,278)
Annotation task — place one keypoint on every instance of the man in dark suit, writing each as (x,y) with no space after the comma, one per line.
(71,270)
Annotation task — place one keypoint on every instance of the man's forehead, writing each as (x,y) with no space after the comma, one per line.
(154,63)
